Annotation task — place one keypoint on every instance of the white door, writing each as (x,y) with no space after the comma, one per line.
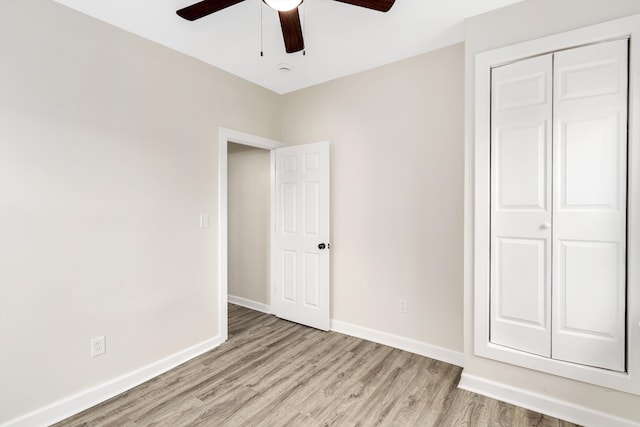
(558,205)
(589,215)
(302,234)
(521,205)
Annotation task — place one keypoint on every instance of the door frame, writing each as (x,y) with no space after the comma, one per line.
(628,27)
(224,137)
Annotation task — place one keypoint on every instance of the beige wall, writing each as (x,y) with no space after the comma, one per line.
(248,223)
(525,21)
(396,137)
(108,154)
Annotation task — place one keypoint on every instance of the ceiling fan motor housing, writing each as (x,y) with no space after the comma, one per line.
(283,5)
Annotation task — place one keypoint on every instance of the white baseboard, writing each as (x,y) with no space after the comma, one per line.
(77,403)
(567,411)
(253,305)
(407,344)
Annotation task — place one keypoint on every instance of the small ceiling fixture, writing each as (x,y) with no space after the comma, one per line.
(283,5)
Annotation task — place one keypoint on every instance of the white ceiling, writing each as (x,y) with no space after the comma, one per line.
(340,39)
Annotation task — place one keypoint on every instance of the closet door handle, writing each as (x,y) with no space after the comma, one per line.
(546,226)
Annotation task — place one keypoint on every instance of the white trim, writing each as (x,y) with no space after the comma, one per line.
(223,320)
(402,343)
(224,137)
(620,28)
(253,305)
(272,230)
(561,409)
(72,405)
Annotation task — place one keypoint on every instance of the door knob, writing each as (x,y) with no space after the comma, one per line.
(322,246)
(546,226)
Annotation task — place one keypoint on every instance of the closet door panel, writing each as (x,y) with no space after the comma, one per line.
(589,205)
(596,264)
(521,167)
(521,205)
(590,155)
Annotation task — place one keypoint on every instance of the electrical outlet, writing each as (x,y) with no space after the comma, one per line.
(98,346)
(402,306)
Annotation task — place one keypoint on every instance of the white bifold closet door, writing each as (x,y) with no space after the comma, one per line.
(558,205)
(590,205)
(521,114)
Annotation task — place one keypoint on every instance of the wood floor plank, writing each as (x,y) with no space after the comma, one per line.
(433,382)
(384,394)
(307,372)
(350,399)
(318,403)
(276,373)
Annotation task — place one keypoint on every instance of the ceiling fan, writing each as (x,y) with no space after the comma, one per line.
(287,11)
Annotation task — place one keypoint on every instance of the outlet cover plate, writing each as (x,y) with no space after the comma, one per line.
(98,346)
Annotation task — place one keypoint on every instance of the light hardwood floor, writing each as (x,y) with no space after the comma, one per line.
(276,373)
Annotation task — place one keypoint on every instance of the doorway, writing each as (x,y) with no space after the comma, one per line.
(248,212)
(299,196)
(225,136)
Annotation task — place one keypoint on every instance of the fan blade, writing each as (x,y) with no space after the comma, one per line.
(291,30)
(379,5)
(204,8)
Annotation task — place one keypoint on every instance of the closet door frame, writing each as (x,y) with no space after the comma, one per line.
(629,381)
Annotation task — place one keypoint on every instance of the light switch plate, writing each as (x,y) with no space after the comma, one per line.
(204,221)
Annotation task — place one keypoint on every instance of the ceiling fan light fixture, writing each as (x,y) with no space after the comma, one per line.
(283,5)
